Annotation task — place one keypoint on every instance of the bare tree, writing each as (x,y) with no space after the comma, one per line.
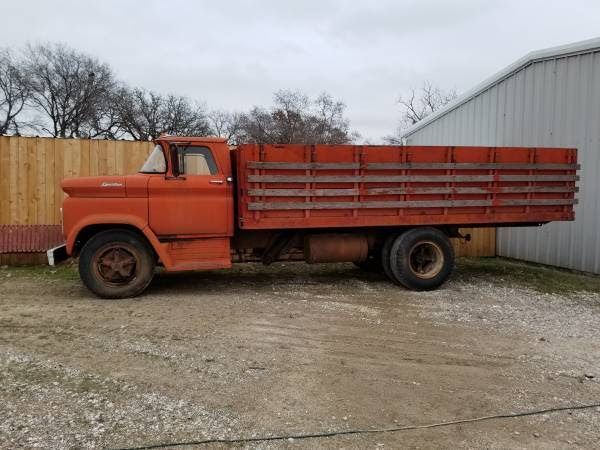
(66,86)
(418,105)
(289,115)
(294,118)
(13,92)
(144,115)
(329,126)
(257,125)
(225,124)
(105,121)
(181,116)
(71,94)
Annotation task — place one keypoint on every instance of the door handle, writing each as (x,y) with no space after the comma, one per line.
(216,181)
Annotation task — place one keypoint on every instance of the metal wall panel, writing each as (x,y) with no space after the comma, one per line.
(554,102)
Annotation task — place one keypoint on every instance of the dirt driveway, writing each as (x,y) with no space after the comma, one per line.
(293,349)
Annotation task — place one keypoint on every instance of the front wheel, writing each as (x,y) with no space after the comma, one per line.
(421,259)
(116,264)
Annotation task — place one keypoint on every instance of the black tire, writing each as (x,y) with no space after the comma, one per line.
(421,259)
(116,264)
(385,256)
(371,264)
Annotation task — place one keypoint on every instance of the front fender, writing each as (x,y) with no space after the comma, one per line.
(100,219)
(117,220)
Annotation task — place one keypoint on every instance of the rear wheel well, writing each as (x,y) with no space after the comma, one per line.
(383,234)
(86,233)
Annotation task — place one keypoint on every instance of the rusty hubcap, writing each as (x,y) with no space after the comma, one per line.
(116,264)
(426,259)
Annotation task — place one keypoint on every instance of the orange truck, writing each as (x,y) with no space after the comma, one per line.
(198,204)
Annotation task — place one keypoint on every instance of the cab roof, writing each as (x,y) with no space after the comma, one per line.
(171,138)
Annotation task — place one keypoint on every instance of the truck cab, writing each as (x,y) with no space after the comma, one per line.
(189,188)
(177,212)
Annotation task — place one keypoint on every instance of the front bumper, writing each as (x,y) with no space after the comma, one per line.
(57,255)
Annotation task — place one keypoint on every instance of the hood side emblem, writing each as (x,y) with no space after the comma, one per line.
(107,184)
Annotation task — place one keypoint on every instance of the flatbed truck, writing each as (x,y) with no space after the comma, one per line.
(199,204)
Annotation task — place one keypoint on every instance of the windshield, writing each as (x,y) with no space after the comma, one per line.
(155,163)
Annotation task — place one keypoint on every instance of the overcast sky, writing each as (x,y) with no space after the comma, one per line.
(235,54)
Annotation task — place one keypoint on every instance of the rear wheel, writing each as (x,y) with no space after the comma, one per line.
(421,259)
(116,264)
(385,255)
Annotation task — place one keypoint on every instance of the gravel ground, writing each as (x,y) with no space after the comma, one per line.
(291,349)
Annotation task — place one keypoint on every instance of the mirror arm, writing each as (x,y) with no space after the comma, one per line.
(174,157)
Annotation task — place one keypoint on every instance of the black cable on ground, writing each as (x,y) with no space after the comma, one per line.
(365,431)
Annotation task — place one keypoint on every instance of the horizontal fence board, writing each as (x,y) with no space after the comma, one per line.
(256,206)
(405,178)
(23,259)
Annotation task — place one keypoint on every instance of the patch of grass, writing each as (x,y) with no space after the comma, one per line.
(66,271)
(86,384)
(34,374)
(542,278)
(545,279)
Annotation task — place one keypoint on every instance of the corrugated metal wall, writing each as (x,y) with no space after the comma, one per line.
(553,103)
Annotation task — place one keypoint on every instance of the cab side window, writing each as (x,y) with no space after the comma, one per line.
(197,161)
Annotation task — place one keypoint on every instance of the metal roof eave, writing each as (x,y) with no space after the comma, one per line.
(587,46)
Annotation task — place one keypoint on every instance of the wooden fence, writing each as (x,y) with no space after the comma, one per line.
(31,170)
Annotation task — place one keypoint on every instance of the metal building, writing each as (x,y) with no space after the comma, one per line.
(549,98)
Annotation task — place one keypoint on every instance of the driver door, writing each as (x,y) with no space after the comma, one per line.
(198,202)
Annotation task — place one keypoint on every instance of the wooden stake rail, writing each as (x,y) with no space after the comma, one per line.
(405,178)
(406,191)
(406,204)
(338,186)
(414,166)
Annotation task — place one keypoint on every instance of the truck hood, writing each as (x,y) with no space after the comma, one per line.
(106,186)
